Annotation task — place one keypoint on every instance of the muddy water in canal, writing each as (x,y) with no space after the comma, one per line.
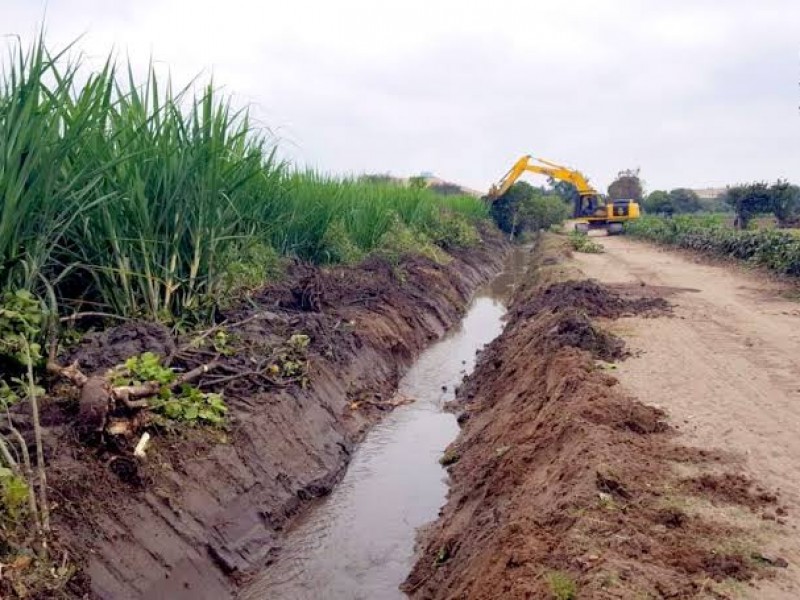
(358,542)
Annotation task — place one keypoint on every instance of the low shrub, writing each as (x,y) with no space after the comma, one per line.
(188,405)
(776,250)
(581,242)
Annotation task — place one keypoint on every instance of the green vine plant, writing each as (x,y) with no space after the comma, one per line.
(187,404)
(22,318)
(291,362)
(581,242)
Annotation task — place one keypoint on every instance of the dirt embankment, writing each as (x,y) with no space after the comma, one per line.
(564,486)
(205,508)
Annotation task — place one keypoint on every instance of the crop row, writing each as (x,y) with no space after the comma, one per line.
(147,200)
(774,249)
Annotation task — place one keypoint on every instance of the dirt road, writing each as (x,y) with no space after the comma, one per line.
(726,369)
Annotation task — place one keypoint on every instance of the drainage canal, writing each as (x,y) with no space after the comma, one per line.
(358,542)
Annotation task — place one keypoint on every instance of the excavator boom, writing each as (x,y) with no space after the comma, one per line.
(546,167)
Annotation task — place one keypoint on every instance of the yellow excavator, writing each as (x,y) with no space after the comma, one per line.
(591,210)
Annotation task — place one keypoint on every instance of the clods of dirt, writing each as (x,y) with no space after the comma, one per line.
(98,351)
(583,498)
(731,488)
(590,297)
(573,328)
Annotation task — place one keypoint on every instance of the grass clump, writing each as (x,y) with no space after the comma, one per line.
(13,497)
(562,586)
(581,242)
(450,457)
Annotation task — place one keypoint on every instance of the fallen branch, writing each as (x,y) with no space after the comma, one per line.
(141,447)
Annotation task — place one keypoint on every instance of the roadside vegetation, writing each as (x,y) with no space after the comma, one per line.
(776,250)
(743,202)
(732,225)
(581,242)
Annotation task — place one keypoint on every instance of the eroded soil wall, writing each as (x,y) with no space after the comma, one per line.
(208,508)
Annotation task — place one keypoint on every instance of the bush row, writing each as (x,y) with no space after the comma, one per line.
(776,250)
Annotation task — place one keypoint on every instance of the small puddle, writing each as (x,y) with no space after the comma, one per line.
(358,542)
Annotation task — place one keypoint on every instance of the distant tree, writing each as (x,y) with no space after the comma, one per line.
(542,210)
(566,190)
(377,178)
(679,200)
(747,201)
(417,183)
(785,200)
(627,186)
(658,202)
(505,209)
(527,208)
(685,200)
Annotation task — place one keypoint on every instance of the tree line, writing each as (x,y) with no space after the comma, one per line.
(781,199)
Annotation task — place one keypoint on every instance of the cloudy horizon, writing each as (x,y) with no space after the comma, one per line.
(695,94)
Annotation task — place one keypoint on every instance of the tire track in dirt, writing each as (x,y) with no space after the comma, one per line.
(725,369)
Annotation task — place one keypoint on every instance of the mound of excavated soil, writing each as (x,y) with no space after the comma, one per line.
(205,507)
(589,297)
(562,487)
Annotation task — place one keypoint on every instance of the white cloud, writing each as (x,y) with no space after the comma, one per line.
(696,93)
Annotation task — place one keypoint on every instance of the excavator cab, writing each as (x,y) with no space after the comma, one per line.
(588,205)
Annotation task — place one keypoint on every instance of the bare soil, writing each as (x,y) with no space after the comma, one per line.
(208,506)
(725,369)
(565,485)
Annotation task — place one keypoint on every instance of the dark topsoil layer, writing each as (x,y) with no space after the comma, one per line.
(208,507)
(560,479)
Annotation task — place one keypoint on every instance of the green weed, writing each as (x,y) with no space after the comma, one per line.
(450,457)
(581,242)
(562,586)
(188,405)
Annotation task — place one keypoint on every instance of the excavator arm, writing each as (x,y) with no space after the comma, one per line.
(545,167)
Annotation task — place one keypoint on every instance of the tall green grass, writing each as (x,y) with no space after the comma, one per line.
(181,190)
(43,189)
(144,199)
(325,219)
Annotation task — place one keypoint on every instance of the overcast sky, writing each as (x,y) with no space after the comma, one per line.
(696,93)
